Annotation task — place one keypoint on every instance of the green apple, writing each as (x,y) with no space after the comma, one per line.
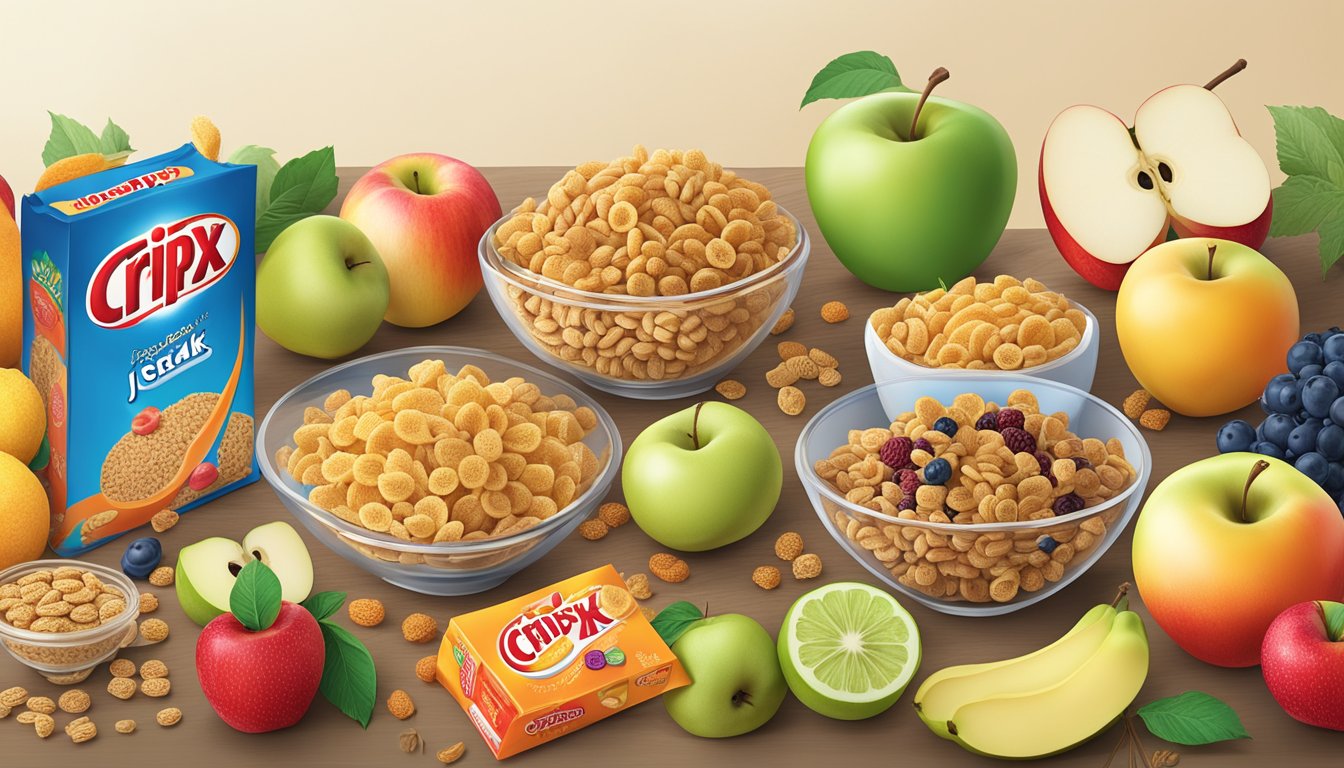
(322,289)
(703,477)
(903,212)
(736,683)
(207,569)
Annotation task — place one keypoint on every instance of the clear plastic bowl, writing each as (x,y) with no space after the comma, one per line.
(65,658)
(876,405)
(1076,368)
(738,315)
(446,568)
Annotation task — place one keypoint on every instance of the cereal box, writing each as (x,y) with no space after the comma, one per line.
(551,662)
(138,333)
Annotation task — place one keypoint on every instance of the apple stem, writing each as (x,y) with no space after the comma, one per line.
(939,75)
(415,176)
(1120,594)
(1236,67)
(1213,247)
(1260,466)
(694,434)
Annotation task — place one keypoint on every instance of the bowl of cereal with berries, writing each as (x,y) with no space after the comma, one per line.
(443,470)
(648,277)
(979,328)
(973,495)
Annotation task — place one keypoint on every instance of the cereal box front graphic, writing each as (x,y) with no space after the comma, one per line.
(549,663)
(138,334)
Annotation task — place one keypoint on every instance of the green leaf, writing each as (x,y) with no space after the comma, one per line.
(349,678)
(1310,142)
(1334,620)
(68,138)
(267,167)
(1192,718)
(673,621)
(853,75)
(1310,147)
(323,604)
(302,187)
(115,140)
(255,598)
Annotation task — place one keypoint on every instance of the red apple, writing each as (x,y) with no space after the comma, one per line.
(1303,662)
(425,214)
(7,197)
(261,681)
(1110,193)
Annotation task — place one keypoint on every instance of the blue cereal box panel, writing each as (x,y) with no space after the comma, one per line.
(137,331)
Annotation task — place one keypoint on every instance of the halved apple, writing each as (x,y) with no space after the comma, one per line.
(207,569)
(1109,193)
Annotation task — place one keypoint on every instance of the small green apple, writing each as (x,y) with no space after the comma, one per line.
(321,288)
(736,683)
(702,478)
(207,569)
(903,212)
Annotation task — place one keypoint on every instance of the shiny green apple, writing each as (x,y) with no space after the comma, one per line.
(206,570)
(736,683)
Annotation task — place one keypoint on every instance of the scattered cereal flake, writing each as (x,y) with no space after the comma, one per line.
(451,754)
(149,602)
(834,312)
(163,520)
(168,717)
(1136,403)
(153,668)
(205,136)
(122,668)
(639,586)
(789,545)
(70,168)
(125,726)
(829,377)
(74,701)
(594,529)
(154,630)
(427,668)
(400,704)
(781,376)
(409,741)
(1155,419)
(121,687)
(419,628)
(367,612)
(614,514)
(162,576)
(669,568)
(765,577)
(41,704)
(156,687)
(731,389)
(791,400)
(790,349)
(81,730)
(807,566)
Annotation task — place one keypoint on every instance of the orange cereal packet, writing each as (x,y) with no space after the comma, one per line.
(548,663)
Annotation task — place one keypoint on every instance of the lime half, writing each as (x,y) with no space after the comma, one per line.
(848,650)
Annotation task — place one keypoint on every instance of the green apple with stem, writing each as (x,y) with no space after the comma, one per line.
(911,189)
(703,477)
(206,570)
(736,682)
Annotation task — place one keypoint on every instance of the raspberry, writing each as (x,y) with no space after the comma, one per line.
(1046,544)
(909,481)
(923,445)
(937,472)
(1018,440)
(1010,417)
(906,503)
(1068,503)
(895,453)
(988,421)
(946,425)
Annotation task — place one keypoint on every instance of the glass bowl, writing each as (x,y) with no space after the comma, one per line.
(871,536)
(450,567)
(65,658)
(1076,368)
(672,346)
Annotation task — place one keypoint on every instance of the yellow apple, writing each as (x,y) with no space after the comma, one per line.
(1204,324)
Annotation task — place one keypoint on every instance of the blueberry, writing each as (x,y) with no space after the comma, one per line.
(937,472)
(1318,394)
(1272,389)
(1314,466)
(1314,337)
(1290,399)
(1308,371)
(1334,479)
(1337,410)
(1303,437)
(1304,353)
(1266,448)
(1335,370)
(1264,405)
(1235,436)
(1330,442)
(1333,348)
(141,557)
(1046,544)
(946,425)
(1276,428)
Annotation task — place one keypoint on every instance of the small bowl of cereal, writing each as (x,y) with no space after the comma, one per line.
(648,277)
(443,470)
(65,617)
(982,328)
(974,495)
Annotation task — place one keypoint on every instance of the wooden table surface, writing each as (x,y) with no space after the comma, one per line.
(646,735)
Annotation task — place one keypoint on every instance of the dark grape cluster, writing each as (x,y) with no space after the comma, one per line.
(1304,422)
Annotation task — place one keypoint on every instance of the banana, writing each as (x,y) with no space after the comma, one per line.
(943,692)
(1045,720)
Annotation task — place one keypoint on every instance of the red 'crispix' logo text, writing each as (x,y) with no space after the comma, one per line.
(526,638)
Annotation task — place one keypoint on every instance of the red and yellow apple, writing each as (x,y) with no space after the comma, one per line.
(425,214)
(1303,662)
(1204,324)
(1224,545)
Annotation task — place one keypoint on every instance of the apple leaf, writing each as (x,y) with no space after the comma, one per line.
(267,168)
(349,678)
(1334,620)
(853,75)
(255,598)
(324,604)
(673,621)
(68,138)
(1192,718)
(302,187)
(1310,146)
(115,140)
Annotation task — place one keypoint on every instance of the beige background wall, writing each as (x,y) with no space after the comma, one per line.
(525,82)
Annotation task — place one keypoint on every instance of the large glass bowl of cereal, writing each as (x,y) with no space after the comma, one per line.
(979,328)
(975,496)
(443,470)
(65,617)
(650,276)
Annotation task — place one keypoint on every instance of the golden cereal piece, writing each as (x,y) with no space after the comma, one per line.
(168,717)
(784,323)
(1155,419)
(822,358)
(614,514)
(803,366)
(13,697)
(791,400)
(781,376)
(419,628)
(80,730)
(122,668)
(451,754)
(669,568)
(69,168)
(594,529)
(400,704)
(426,669)
(829,377)
(789,349)
(205,135)
(788,546)
(41,704)
(162,576)
(163,520)
(766,577)
(1136,403)
(639,586)
(731,389)
(153,668)
(44,725)
(615,601)
(834,312)
(73,701)
(807,566)
(124,726)
(154,630)
(121,687)
(366,612)
(156,687)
